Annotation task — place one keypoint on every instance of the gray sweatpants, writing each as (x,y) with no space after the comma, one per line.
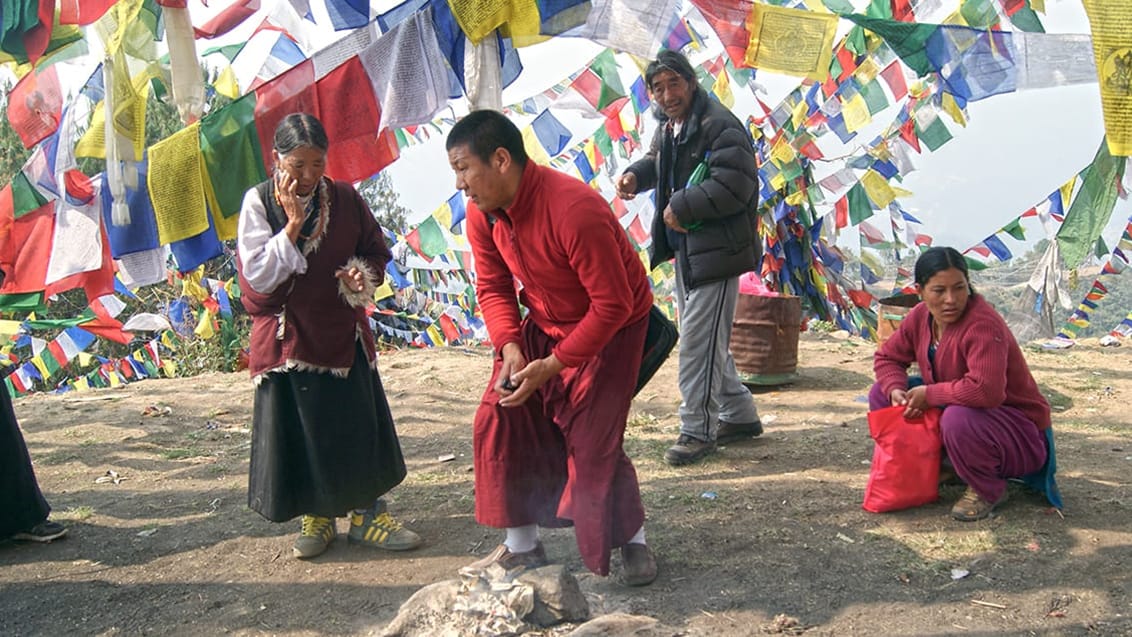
(708,381)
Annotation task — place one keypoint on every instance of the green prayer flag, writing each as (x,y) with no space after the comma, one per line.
(879,9)
(432,239)
(25,197)
(874,97)
(1091,208)
(1014,229)
(605,67)
(907,39)
(26,302)
(230,148)
(975,264)
(1026,19)
(839,6)
(859,206)
(1102,249)
(603,142)
(935,135)
(979,14)
(855,42)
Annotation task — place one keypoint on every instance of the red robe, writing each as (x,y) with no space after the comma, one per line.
(558,458)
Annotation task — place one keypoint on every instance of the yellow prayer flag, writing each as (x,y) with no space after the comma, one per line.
(37,360)
(782,153)
(383,291)
(798,114)
(534,147)
(951,107)
(443,215)
(9,328)
(722,89)
(226,83)
(435,335)
(901,193)
(169,367)
(877,188)
(112,26)
(778,181)
(856,113)
(867,71)
(81,384)
(1111,24)
(176,187)
(204,326)
(85,359)
(1038,5)
(1067,192)
(191,287)
(115,379)
(791,41)
(477,18)
(796,198)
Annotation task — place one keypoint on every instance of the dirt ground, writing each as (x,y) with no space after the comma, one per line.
(766,537)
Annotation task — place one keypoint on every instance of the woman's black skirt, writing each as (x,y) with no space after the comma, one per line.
(21,502)
(322,445)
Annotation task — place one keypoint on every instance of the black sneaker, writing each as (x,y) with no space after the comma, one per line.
(688,450)
(730,431)
(44,532)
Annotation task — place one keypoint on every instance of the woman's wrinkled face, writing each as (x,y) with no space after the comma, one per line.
(946,295)
(304,164)
(672,94)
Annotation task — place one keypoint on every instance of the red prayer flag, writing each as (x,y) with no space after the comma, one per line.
(352,117)
(728,20)
(860,298)
(108,328)
(893,75)
(588,85)
(291,92)
(448,328)
(83,12)
(24,258)
(908,134)
(638,232)
(227,19)
(35,106)
(841,212)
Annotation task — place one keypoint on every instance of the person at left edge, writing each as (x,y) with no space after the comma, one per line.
(323,443)
(548,433)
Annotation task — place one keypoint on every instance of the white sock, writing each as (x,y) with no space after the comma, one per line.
(521,539)
(639,538)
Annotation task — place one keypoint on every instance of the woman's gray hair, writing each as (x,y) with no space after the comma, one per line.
(299,129)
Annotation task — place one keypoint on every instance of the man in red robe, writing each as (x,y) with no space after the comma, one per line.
(548,433)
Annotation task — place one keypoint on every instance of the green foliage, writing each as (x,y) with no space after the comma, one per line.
(12,151)
(383,200)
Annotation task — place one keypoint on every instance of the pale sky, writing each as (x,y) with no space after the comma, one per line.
(1015,150)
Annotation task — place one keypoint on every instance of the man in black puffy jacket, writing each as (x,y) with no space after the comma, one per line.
(702,166)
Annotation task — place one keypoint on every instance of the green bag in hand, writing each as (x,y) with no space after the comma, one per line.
(699,174)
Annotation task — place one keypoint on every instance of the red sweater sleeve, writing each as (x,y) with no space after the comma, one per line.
(495,285)
(588,236)
(891,360)
(985,350)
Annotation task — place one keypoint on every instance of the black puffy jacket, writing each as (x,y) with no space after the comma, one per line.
(722,208)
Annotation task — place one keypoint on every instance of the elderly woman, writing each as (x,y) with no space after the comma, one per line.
(994,418)
(323,442)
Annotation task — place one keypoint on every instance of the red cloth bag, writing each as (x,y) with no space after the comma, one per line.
(905,471)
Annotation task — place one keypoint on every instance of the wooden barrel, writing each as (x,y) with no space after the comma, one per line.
(764,338)
(890,312)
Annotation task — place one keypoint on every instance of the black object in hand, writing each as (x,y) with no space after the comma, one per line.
(508,385)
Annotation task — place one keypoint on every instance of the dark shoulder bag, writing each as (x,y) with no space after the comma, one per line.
(659,341)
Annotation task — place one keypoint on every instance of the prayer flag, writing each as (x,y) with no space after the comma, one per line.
(791,41)
(35,105)
(1109,22)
